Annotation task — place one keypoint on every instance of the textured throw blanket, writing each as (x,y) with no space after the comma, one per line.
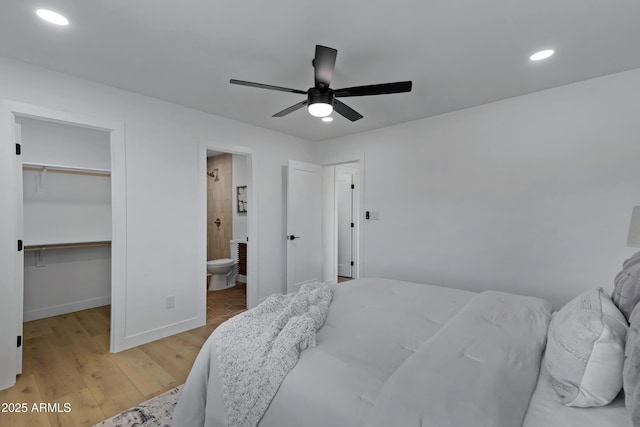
(257,349)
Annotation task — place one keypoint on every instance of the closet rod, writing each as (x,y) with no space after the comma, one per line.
(66,246)
(55,169)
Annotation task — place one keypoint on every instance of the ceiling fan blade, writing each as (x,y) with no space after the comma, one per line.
(291,109)
(379,89)
(263,86)
(346,111)
(324,64)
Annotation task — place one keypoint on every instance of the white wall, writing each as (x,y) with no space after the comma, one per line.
(64,145)
(530,195)
(239,178)
(68,280)
(65,208)
(162,143)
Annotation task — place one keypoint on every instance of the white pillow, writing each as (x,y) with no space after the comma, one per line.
(585,350)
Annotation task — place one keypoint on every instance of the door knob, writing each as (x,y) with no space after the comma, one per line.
(292,237)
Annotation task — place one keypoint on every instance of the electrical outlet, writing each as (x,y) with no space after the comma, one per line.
(171,301)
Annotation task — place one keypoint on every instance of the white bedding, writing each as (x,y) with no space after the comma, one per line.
(402,354)
(545,410)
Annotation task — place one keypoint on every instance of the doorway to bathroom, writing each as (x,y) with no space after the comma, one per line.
(228,211)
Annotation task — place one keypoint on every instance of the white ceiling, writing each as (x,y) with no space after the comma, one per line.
(459,53)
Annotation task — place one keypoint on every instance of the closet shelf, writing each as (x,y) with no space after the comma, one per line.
(31,248)
(38,167)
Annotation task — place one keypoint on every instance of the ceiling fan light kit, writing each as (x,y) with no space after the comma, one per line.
(321,100)
(320,109)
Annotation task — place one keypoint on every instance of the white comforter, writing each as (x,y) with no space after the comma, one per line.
(399,354)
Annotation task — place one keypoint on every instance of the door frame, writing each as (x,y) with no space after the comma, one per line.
(252,216)
(9,111)
(355,215)
(330,228)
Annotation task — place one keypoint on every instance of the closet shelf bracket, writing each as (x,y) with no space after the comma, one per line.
(41,178)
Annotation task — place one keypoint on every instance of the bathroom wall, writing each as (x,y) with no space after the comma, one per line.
(240,178)
(219,205)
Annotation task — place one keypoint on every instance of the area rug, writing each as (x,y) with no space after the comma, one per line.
(156,412)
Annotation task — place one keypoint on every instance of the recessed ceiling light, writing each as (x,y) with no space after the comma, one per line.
(327,119)
(543,54)
(52,17)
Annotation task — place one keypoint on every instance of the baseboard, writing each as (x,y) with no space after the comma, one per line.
(70,307)
(140,338)
(241,278)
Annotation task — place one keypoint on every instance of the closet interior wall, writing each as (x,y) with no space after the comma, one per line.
(66,218)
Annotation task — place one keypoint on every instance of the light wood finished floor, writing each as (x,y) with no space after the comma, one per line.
(67,360)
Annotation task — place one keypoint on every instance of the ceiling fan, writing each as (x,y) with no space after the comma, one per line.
(321,100)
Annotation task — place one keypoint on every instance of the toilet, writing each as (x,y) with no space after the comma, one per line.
(223,273)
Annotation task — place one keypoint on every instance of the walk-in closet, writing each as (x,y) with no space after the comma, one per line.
(66,214)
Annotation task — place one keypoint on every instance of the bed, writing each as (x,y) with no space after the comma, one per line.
(545,410)
(405,354)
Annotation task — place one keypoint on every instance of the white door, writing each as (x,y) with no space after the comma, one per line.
(304,224)
(20,262)
(345,223)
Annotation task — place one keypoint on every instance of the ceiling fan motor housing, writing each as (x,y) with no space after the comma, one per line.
(316,95)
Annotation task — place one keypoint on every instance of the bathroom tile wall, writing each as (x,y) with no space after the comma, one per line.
(219,201)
